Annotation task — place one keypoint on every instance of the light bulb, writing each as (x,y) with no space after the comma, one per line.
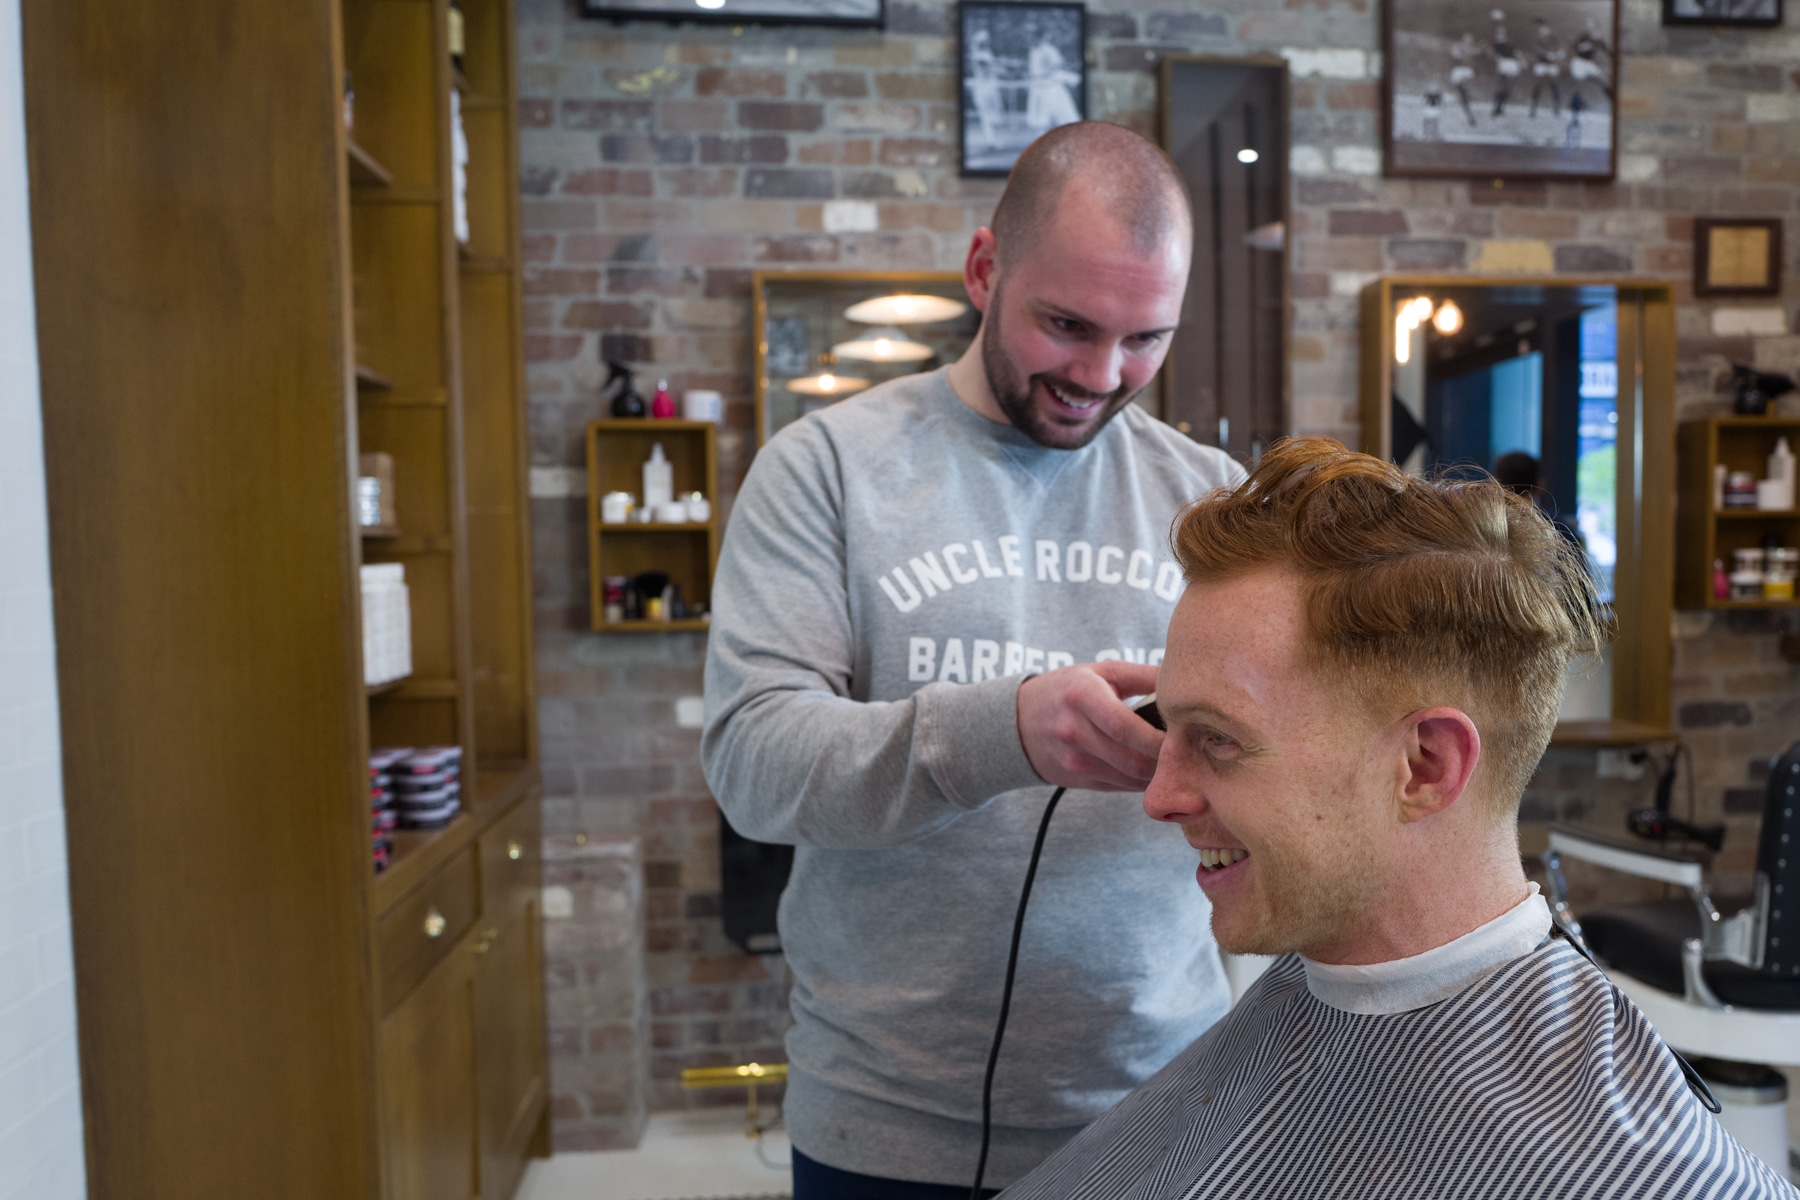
(1448,319)
(710,3)
(1247,155)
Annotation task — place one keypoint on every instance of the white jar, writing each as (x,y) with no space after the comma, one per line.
(702,405)
(699,508)
(673,513)
(615,507)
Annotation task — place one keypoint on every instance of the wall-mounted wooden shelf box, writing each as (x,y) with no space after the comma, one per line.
(1705,532)
(686,553)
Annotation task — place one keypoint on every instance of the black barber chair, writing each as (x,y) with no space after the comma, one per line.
(1714,954)
(1719,979)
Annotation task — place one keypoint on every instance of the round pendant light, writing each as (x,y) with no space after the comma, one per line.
(826,383)
(906,310)
(884,345)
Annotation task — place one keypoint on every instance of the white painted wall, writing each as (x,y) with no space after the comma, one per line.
(40,1092)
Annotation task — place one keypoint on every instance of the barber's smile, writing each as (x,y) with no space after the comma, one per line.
(1067,399)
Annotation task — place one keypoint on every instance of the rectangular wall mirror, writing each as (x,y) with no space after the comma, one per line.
(1562,389)
(823,336)
(1224,122)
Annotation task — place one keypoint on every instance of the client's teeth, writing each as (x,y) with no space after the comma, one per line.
(1214,860)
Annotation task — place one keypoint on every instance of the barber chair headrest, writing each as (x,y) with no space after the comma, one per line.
(1778,860)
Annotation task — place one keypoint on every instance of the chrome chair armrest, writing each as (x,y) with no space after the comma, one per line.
(1615,854)
(1738,937)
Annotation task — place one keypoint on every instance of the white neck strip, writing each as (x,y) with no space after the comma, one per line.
(1408,983)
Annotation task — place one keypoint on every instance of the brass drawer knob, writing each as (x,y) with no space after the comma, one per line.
(514,850)
(488,938)
(435,923)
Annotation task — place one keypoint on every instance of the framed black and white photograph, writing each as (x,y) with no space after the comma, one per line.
(742,12)
(1024,72)
(1722,12)
(1501,89)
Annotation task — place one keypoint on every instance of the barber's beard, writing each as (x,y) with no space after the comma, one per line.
(1013,393)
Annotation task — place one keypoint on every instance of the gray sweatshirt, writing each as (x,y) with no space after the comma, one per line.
(894,567)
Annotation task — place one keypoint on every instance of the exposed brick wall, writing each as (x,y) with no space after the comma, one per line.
(662,165)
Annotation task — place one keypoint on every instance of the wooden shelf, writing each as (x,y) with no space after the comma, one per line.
(424,544)
(424,1068)
(404,402)
(485,264)
(1707,533)
(414,688)
(1608,733)
(365,171)
(1728,605)
(369,377)
(397,194)
(419,852)
(482,101)
(1772,421)
(609,527)
(686,552)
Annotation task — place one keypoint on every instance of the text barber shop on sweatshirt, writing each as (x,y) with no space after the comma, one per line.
(896,565)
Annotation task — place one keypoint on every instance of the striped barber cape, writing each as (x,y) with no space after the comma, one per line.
(1541,1080)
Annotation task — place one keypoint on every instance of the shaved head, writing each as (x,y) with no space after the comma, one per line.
(1131,177)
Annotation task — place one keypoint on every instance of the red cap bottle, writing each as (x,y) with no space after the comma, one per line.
(662,405)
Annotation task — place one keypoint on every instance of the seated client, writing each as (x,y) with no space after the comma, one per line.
(1360,681)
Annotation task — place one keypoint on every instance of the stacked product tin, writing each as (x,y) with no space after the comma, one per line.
(428,786)
(383,816)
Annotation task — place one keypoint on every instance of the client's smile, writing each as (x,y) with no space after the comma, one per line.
(1217,858)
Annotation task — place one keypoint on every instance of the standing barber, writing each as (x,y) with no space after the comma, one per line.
(908,582)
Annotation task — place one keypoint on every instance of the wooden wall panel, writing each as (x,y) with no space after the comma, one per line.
(187,181)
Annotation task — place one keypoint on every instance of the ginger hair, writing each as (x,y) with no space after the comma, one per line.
(1418,592)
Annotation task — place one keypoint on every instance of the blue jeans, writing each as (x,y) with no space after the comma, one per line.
(816,1181)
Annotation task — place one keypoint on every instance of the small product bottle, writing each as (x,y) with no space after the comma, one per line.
(1721,581)
(626,402)
(659,479)
(456,35)
(662,405)
(1781,472)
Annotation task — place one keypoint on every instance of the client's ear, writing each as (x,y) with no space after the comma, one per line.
(1442,748)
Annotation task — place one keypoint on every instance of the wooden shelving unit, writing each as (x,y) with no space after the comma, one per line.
(364,170)
(369,377)
(1706,532)
(363,1036)
(686,552)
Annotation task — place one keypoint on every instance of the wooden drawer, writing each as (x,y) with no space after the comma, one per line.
(511,851)
(421,929)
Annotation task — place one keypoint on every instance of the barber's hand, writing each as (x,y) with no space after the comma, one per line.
(1078,733)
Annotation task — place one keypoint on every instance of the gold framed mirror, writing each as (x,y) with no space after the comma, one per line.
(823,336)
(1567,384)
